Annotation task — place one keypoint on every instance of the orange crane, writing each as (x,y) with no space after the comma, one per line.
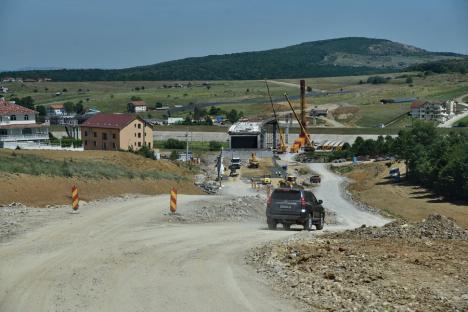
(304,137)
(282,148)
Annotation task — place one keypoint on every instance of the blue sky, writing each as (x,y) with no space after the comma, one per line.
(124,33)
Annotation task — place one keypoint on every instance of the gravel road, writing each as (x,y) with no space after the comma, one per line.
(123,257)
(331,192)
(126,255)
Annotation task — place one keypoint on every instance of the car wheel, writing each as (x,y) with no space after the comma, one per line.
(286,227)
(319,226)
(308,223)
(271,224)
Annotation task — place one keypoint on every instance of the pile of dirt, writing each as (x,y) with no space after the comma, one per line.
(433,227)
(239,209)
(370,269)
(231,209)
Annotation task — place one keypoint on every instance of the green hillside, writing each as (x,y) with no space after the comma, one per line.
(334,57)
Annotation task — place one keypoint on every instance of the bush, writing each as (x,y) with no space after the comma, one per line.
(174,155)
(215,146)
(174,144)
(377,79)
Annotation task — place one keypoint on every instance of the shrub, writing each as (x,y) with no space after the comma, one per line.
(215,146)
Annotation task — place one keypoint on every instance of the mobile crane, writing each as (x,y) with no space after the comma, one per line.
(304,137)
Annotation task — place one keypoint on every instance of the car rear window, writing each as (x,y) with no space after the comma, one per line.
(286,195)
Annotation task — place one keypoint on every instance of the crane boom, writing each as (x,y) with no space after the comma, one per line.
(303,129)
(283,147)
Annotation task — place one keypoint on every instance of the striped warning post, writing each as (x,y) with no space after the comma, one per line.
(173,203)
(75,198)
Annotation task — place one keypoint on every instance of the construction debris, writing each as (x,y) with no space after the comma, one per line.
(399,267)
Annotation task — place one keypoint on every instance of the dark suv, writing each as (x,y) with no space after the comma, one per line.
(294,206)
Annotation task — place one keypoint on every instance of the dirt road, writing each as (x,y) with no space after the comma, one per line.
(123,257)
(127,256)
(331,192)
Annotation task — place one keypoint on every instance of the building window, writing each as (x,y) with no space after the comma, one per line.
(3,132)
(26,131)
(13,117)
(95,143)
(149,145)
(95,134)
(86,142)
(139,143)
(104,136)
(139,135)
(26,117)
(113,145)
(139,126)
(86,133)
(113,135)
(104,146)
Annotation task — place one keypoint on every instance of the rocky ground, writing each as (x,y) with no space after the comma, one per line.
(399,267)
(231,209)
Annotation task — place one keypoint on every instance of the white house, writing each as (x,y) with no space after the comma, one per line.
(3,90)
(56,110)
(18,124)
(174,120)
(433,111)
(136,107)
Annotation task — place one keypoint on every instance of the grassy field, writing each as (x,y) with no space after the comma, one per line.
(250,96)
(41,178)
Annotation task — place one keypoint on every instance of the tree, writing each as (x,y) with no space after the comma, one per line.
(208,121)
(27,101)
(232,116)
(69,107)
(64,90)
(174,155)
(41,110)
(158,105)
(409,80)
(309,89)
(79,109)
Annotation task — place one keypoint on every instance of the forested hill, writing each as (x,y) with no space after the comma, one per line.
(334,57)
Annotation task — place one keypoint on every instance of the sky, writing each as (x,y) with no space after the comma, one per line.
(126,33)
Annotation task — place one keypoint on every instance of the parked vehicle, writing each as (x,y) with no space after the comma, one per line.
(235,163)
(290,206)
(315,179)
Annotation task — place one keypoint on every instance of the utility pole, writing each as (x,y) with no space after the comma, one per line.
(186,145)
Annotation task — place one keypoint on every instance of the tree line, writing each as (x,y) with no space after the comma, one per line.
(434,160)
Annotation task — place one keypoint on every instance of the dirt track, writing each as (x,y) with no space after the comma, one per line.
(127,256)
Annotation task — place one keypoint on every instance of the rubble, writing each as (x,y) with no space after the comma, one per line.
(399,267)
(433,227)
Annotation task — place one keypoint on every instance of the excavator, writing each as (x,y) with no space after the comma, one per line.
(283,147)
(304,137)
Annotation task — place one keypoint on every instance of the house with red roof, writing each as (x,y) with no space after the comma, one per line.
(18,124)
(116,132)
(136,106)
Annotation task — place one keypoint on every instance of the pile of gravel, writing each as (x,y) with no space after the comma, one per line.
(433,227)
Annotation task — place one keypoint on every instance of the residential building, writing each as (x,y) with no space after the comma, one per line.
(18,124)
(174,120)
(116,132)
(136,107)
(433,111)
(56,110)
(3,89)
